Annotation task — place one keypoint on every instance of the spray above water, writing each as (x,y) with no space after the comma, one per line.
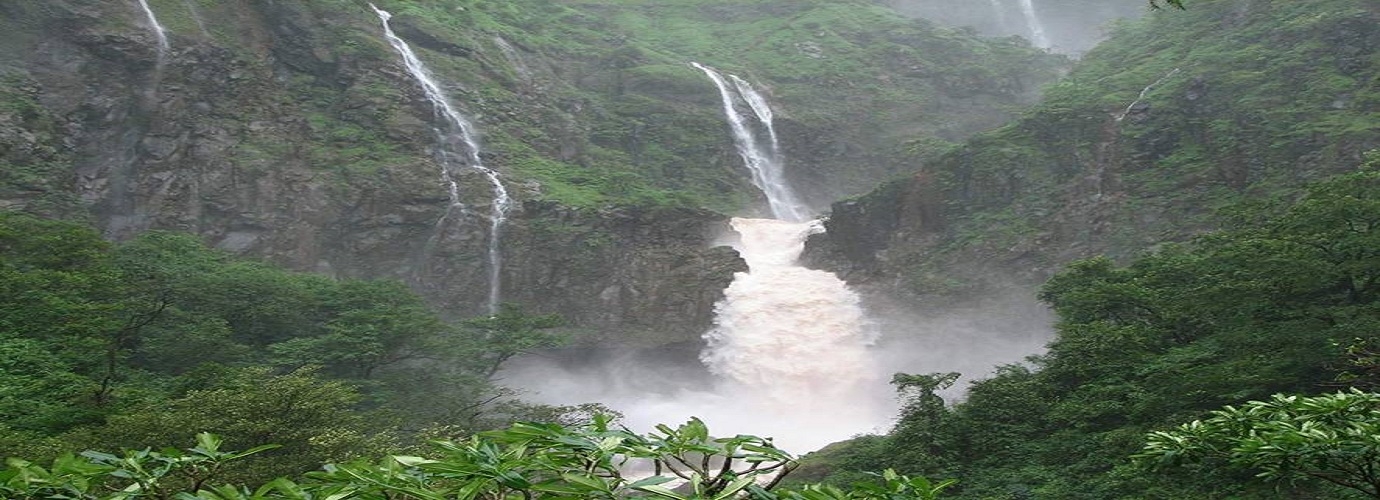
(458,148)
(789,358)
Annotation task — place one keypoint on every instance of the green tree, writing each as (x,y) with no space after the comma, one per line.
(921,439)
(508,333)
(312,419)
(62,311)
(366,325)
(1332,437)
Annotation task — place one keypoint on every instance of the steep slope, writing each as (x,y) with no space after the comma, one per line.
(1171,118)
(289,130)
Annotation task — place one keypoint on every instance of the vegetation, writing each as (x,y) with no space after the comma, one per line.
(526,460)
(134,343)
(1284,299)
(129,344)
(1332,437)
(1172,118)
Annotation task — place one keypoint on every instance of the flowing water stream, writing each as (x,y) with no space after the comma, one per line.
(790,353)
(765,163)
(458,149)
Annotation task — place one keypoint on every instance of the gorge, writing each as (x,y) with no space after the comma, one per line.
(432,219)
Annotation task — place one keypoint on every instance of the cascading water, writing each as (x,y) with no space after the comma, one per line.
(790,342)
(794,341)
(790,353)
(158,30)
(765,165)
(120,206)
(1032,20)
(458,147)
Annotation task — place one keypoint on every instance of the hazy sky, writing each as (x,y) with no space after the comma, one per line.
(1069,26)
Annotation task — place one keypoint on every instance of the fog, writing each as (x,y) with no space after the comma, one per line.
(670,385)
(1070,26)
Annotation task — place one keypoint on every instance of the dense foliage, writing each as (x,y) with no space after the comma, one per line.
(1284,299)
(527,460)
(150,340)
(1332,437)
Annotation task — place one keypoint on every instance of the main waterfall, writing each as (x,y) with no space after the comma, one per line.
(788,341)
(790,355)
(791,340)
(458,147)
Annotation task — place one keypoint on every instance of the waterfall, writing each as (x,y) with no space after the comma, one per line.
(790,344)
(1000,12)
(1037,30)
(458,147)
(514,59)
(793,340)
(766,166)
(790,355)
(158,30)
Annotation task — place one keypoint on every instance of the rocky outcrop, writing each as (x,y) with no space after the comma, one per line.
(642,277)
(1137,147)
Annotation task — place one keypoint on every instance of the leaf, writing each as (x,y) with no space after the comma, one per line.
(650,481)
(734,487)
(662,492)
(411,461)
(586,481)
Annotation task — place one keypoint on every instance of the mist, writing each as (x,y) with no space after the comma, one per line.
(1067,26)
(669,385)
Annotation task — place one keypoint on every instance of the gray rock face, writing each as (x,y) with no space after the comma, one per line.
(242,138)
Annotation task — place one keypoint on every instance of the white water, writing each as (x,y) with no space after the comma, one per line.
(790,356)
(1144,92)
(794,340)
(1032,21)
(790,353)
(765,164)
(465,153)
(158,30)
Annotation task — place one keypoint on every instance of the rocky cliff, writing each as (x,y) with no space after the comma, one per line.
(1173,117)
(288,130)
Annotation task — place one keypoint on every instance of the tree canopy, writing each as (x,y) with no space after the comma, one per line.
(1331,437)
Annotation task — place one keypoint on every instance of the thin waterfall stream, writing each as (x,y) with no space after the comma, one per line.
(764,163)
(121,204)
(1032,21)
(158,30)
(458,148)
